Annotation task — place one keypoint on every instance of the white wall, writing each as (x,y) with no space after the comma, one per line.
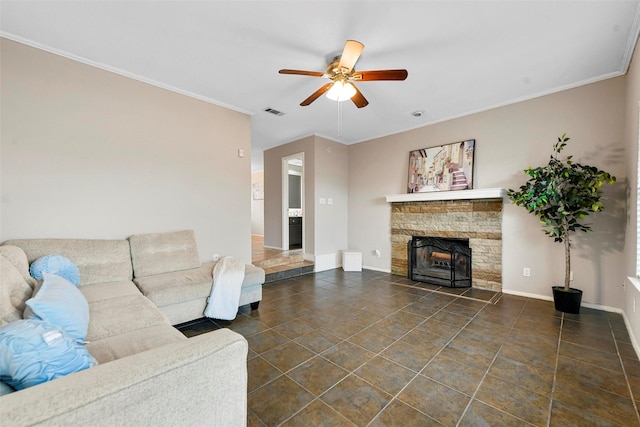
(508,140)
(257,206)
(90,154)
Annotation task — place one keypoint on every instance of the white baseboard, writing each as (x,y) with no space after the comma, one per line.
(273,247)
(548,298)
(381,270)
(527,294)
(634,343)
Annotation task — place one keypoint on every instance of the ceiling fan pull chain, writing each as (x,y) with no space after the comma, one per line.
(340,121)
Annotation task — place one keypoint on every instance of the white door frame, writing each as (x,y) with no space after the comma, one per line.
(285,200)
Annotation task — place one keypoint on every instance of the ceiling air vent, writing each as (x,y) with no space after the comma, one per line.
(274,112)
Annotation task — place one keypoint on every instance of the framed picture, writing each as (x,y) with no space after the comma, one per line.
(444,168)
(257,190)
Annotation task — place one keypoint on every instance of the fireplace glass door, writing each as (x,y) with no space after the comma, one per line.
(440,261)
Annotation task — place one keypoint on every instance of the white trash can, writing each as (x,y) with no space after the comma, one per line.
(351,261)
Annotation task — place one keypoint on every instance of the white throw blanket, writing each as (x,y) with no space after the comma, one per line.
(228,275)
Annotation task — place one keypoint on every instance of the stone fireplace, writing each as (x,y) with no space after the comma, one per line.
(475,215)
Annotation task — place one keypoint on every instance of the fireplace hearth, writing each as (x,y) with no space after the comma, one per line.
(440,261)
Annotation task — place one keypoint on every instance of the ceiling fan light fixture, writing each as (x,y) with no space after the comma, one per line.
(341,91)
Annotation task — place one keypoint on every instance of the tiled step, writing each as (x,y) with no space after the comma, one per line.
(286,271)
(279,260)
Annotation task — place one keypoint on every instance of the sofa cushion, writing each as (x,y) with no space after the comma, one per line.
(60,303)
(137,341)
(177,286)
(99,261)
(55,264)
(105,291)
(159,253)
(18,259)
(14,291)
(253,276)
(120,315)
(33,351)
(180,286)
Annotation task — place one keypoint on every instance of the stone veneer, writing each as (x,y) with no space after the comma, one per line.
(480,221)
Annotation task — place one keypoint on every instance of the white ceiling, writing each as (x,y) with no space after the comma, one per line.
(462,56)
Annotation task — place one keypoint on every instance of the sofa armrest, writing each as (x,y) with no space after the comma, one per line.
(199,381)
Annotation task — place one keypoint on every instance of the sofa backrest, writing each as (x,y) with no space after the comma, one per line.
(16,286)
(99,261)
(159,253)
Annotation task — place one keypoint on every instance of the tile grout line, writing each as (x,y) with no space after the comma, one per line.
(349,373)
(473,396)
(624,371)
(555,371)
(395,397)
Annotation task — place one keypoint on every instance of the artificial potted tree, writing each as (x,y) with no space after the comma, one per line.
(562,194)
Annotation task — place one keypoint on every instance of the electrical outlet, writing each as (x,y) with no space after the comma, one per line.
(216,257)
(526,272)
(571,275)
(377,253)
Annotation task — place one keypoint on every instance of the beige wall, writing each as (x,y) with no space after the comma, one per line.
(326,176)
(257,207)
(332,182)
(632,291)
(91,154)
(508,140)
(273,192)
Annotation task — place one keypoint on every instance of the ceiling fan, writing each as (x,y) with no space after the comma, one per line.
(342,73)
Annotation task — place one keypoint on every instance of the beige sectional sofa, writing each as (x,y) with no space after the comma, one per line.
(148,372)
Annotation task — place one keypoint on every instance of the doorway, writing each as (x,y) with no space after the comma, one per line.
(293,218)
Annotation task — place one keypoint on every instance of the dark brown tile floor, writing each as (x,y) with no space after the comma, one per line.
(374,349)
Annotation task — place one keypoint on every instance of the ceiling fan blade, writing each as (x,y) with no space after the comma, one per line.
(315,95)
(359,99)
(365,76)
(350,54)
(302,72)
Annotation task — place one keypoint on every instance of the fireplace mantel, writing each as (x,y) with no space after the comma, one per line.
(483,193)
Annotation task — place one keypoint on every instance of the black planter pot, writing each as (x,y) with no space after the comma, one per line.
(567,302)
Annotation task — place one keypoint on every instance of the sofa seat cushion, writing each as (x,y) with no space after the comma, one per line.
(187,285)
(176,287)
(118,316)
(106,291)
(132,342)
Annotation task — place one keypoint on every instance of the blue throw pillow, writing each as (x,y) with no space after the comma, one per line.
(61,304)
(5,388)
(55,264)
(33,351)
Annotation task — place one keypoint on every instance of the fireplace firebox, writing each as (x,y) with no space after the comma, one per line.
(440,261)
